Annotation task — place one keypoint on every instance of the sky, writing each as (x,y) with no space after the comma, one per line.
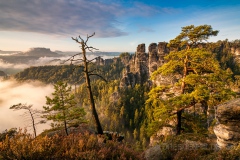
(119,25)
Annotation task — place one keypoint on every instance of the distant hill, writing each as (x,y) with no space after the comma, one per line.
(25,57)
(39,52)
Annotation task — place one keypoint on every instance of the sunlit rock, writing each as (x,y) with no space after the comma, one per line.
(228,128)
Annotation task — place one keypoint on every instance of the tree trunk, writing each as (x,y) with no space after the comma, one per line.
(179,113)
(88,83)
(65,126)
(65,123)
(179,122)
(185,70)
(33,123)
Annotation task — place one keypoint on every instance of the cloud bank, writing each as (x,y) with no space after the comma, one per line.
(69,17)
(12,93)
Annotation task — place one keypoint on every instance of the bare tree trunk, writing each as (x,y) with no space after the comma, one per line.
(33,123)
(90,95)
(88,73)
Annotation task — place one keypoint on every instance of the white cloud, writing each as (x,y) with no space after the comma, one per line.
(59,17)
(70,17)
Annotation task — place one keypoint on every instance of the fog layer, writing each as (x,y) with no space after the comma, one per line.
(12,93)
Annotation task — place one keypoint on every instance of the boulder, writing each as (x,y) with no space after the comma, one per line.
(227,129)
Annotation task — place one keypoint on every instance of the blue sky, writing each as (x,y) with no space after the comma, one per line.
(120,25)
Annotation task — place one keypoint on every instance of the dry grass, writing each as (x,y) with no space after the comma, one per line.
(75,146)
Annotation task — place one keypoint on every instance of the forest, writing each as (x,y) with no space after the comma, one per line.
(93,116)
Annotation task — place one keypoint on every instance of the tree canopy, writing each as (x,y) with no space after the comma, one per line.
(197,71)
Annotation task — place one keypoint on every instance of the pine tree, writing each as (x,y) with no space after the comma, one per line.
(196,71)
(62,109)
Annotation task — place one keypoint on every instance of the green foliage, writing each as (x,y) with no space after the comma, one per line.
(200,79)
(199,61)
(70,73)
(121,109)
(51,74)
(192,35)
(62,109)
(223,51)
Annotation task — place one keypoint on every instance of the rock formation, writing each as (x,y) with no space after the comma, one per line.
(143,64)
(235,51)
(227,129)
(153,57)
(100,61)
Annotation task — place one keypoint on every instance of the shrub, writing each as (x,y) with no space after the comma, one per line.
(74,146)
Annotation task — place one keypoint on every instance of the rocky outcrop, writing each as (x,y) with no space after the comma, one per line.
(99,61)
(153,58)
(228,128)
(142,65)
(235,51)
(156,55)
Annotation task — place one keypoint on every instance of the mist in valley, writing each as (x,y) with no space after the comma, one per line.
(10,64)
(30,93)
(13,92)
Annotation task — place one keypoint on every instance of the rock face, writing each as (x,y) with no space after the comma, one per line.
(228,128)
(143,64)
(235,51)
(153,57)
(99,61)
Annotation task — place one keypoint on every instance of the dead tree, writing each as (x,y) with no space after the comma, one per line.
(34,114)
(87,73)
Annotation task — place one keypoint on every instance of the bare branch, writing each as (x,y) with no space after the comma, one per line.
(89,37)
(93,74)
(94,58)
(80,79)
